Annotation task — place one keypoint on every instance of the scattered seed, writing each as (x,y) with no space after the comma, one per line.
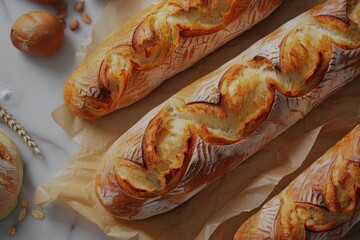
(74,24)
(38,214)
(59,5)
(61,14)
(24,203)
(86,18)
(22,214)
(79,6)
(12,230)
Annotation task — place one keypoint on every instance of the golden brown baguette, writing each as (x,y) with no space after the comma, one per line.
(11,175)
(159,42)
(214,124)
(321,203)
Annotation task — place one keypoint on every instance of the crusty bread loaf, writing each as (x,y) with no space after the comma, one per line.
(209,127)
(11,175)
(321,203)
(159,42)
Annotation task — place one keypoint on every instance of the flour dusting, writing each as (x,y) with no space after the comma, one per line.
(6,95)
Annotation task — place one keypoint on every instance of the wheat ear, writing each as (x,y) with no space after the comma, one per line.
(7,118)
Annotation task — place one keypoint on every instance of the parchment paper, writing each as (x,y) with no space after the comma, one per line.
(217,211)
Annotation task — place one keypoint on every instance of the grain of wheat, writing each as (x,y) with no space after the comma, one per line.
(86,17)
(22,214)
(79,6)
(74,24)
(38,214)
(12,230)
(7,118)
(24,203)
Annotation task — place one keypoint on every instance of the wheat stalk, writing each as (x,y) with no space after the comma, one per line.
(7,118)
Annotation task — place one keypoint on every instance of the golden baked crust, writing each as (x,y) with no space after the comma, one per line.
(209,127)
(159,42)
(37,33)
(323,198)
(11,175)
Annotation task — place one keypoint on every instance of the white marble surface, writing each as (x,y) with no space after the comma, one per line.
(37,84)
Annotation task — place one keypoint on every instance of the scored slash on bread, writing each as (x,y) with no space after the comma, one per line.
(159,42)
(321,203)
(11,175)
(186,143)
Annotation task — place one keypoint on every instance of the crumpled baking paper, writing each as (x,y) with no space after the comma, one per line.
(218,210)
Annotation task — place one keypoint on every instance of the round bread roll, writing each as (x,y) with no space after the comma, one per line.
(11,175)
(37,33)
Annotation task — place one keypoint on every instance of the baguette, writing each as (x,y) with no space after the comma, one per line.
(11,175)
(321,203)
(214,124)
(159,42)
